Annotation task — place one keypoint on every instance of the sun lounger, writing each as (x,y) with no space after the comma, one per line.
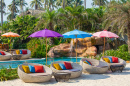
(97,67)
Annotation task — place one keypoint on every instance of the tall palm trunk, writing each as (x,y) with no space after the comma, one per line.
(45,4)
(21,5)
(13,9)
(128,33)
(85,4)
(63,4)
(1,15)
(36,6)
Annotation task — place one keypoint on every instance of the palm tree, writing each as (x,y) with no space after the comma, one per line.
(64,3)
(2,6)
(36,3)
(48,20)
(85,4)
(13,9)
(78,2)
(21,3)
(72,16)
(118,18)
(99,2)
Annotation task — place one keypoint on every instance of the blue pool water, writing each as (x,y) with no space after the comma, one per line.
(14,64)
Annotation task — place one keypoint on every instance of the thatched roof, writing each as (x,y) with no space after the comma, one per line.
(32,12)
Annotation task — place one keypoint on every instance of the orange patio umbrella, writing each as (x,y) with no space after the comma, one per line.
(10,34)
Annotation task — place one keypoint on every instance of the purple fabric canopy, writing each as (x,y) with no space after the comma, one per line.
(45,33)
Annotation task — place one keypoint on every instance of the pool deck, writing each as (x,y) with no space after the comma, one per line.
(108,79)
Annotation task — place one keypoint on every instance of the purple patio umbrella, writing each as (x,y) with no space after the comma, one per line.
(45,33)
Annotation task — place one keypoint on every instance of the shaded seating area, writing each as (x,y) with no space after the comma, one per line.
(5,56)
(35,77)
(109,61)
(75,72)
(18,54)
(96,66)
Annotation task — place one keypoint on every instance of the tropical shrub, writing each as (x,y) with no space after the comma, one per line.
(38,47)
(8,74)
(122,52)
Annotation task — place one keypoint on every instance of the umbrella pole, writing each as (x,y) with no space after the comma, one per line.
(10,45)
(76,48)
(104,47)
(46,50)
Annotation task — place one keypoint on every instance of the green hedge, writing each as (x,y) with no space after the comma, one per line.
(121,52)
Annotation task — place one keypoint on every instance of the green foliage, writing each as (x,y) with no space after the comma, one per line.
(38,47)
(122,52)
(24,26)
(123,48)
(8,74)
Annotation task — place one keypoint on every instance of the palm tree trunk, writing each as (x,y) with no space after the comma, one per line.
(128,33)
(85,4)
(13,9)
(45,4)
(63,4)
(36,6)
(1,15)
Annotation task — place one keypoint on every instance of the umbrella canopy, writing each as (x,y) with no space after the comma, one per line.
(10,34)
(104,34)
(45,33)
(76,34)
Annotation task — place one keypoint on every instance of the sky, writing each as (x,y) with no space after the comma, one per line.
(7,2)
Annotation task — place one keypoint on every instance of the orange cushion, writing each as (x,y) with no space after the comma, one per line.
(38,69)
(68,65)
(114,59)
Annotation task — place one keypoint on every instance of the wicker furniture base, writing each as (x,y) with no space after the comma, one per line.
(62,76)
(116,68)
(16,57)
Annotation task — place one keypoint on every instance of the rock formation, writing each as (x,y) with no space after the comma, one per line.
(85,47)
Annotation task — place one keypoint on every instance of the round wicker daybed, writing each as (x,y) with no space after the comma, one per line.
(97,67)
(121,61)
(23,56)
(74,74)
(34,77)
(7,56)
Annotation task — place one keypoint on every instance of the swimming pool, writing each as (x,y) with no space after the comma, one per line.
(14,64)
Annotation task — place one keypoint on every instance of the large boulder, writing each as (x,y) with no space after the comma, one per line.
(85,47)
(64,50)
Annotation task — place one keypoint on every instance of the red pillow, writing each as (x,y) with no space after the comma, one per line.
(38,69)
(3,53)
(68,65)
(24,51)
(114,59)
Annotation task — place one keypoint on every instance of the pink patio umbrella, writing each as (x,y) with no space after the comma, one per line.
(46,34)
(104,34)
